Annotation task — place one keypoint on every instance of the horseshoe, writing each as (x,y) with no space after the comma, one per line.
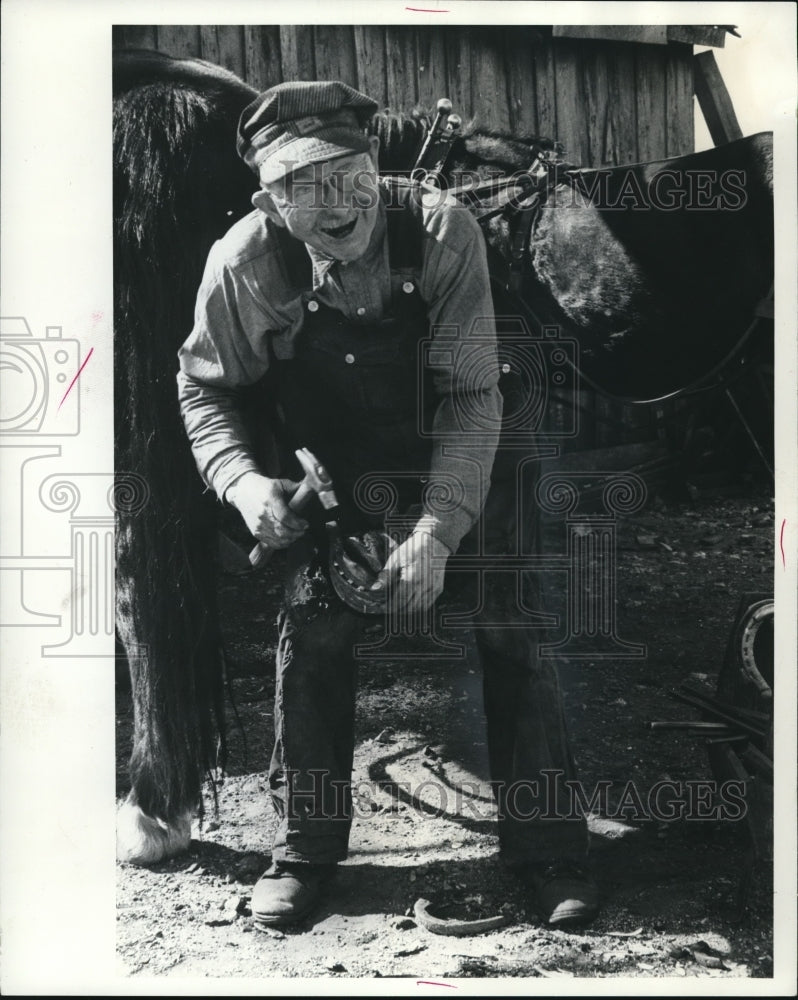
(455,928)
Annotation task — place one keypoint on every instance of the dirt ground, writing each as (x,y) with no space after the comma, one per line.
(670,889)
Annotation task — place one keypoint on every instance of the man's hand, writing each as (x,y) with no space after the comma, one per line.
(414,573)
(263,504)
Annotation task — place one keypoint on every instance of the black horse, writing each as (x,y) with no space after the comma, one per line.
(655,269)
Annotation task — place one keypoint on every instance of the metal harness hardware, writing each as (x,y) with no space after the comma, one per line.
(518,197)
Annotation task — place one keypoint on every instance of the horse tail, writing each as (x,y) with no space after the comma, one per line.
(178,185)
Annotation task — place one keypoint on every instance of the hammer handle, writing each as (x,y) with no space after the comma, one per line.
(262,553)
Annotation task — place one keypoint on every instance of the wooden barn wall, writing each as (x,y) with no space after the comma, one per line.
(607,102)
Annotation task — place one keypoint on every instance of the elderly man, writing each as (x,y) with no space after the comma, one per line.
(321,296)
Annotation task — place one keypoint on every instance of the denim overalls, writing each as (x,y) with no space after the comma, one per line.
(352,391)
(353,394)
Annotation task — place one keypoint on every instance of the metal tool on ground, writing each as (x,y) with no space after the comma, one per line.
(316,481)
(453,927)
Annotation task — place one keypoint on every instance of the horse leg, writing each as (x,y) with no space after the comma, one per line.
(143,838)
(176,691)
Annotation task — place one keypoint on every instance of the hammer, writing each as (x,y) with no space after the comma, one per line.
(316,480)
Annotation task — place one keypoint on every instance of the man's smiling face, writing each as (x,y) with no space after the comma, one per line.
(331,206)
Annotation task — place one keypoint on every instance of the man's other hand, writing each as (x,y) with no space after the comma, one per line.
(263,503)
(414,572)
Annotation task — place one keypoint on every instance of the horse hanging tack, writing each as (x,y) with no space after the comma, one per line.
(435,149)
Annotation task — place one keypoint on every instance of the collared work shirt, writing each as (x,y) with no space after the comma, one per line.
(248,305)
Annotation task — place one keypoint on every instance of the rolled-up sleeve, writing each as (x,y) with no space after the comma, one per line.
(226,350)
(464,362)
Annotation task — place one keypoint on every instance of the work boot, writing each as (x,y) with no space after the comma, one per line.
(287,892)
(566,894)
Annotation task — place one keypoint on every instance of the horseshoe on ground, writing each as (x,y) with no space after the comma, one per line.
(452,927)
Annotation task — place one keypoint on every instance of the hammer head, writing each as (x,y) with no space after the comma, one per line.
(317,477)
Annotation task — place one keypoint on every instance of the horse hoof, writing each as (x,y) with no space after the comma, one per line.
(143,840)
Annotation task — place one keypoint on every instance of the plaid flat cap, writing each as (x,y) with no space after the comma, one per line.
(295,124)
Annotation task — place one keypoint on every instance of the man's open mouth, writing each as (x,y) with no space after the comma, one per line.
(340,232)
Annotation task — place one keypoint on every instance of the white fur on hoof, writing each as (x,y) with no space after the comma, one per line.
(143,840)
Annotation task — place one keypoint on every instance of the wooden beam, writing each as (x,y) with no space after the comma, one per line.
(698,34)
(650,34)
(714,100)
(653,34)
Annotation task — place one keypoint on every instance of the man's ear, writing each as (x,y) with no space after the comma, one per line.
(374,148)
(262,200)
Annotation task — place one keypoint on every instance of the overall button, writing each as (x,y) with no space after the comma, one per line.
(313,306)
(361,311)
(408,287)
(349,359)
(505,368)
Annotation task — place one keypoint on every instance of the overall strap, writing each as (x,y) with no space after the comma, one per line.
(294,253)
(405,225)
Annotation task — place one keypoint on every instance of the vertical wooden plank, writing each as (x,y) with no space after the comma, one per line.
(679,99)
(650,96)
(179,40)
(431,62)
(224,44)
(262,56)
(297,52)
(231,48)
(370,61)
(714,100)
(134,36)
(457,43)
(545,84)
(598,139)
(335,53)
(400,61)
(520,73)
(489,100)
(209,43)
(571,102)
(622,102)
